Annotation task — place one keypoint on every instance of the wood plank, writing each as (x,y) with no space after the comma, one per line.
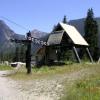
(76,54)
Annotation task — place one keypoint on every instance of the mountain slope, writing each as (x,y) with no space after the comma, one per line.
(37,34)
(6,34)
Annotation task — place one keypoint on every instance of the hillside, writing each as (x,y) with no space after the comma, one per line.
(37,34)
(6,33)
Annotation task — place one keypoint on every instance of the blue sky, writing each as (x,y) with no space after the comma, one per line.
(44,14)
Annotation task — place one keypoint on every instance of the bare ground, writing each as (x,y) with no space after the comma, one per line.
(49,88)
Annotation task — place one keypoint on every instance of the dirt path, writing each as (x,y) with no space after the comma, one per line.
(10,72)
(50,88)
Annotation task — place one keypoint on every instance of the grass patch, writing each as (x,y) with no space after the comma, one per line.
(5,67)
(85,89)
(45,71)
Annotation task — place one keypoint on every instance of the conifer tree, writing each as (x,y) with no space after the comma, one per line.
(91,32)
(64,19)
(16,58)
(22,53)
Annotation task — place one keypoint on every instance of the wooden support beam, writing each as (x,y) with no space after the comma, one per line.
(89,54)
(76,54)
(99,60)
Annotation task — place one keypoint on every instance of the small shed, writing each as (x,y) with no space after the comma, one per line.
(65,36)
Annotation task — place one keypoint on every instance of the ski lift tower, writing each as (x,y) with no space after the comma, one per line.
(27,42)
(29,39)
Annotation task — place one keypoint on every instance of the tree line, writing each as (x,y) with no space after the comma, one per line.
(16,55)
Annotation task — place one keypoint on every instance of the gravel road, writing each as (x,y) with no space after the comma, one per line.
(48,88)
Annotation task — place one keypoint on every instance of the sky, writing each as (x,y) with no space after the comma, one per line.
(44,14)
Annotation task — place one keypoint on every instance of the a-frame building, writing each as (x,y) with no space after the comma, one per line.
(66,36)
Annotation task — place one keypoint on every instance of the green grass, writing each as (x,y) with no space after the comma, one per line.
(45,71)
(5,67)
(85,89)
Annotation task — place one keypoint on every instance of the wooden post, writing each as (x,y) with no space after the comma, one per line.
(28,53)
(89,54)
(76,54)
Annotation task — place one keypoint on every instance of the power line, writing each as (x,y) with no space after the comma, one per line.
(15,23)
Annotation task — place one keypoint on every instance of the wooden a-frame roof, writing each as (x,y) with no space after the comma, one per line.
(56,36)
(74,35)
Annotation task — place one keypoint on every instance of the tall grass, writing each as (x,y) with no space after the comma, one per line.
(85,89)
(5,67)
(45,71)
